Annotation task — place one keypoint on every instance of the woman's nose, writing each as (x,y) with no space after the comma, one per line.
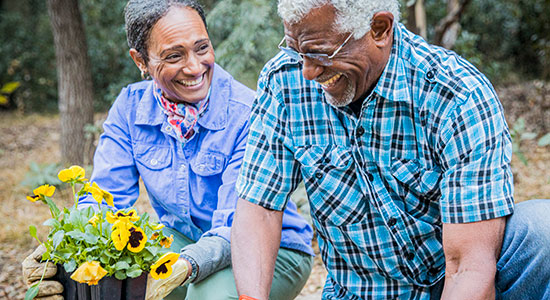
(192,65)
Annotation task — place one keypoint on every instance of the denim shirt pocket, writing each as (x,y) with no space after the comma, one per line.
(153,157)
(207,163)
(419,180)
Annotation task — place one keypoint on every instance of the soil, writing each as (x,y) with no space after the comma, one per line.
(34,138)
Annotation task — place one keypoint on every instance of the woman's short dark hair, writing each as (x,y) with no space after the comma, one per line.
(141,15)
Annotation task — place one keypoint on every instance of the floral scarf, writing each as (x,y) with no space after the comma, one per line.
(182,116)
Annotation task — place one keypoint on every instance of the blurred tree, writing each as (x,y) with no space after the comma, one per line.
(74,79)
(416,17)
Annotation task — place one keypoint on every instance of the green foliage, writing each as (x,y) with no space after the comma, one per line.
(520,134)
(40,174)
(245,35)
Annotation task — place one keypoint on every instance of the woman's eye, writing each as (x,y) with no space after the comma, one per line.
(203,48)
(173,57)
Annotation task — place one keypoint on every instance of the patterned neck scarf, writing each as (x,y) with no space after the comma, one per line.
(182,116)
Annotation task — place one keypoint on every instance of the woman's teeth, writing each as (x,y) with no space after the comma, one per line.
(331,80)
(192,82)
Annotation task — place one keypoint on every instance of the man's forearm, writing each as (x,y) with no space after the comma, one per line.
(255,239)
(476,282)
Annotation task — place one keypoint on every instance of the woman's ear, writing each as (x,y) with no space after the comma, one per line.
(138,60)
(382,28)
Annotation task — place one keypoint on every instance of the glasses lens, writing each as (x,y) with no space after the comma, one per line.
(291,52)
(319,58)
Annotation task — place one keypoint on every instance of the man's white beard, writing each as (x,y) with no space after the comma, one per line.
(346,98)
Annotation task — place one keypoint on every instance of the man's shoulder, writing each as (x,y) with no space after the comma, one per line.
(281,65)
(440,65)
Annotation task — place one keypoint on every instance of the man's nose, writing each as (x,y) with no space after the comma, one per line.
(310,69)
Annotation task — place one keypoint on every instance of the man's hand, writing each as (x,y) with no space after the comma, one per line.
(158,289)
(33,269)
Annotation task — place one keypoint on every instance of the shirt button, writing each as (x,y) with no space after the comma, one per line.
(430,75)
(154,162)
(369,175)
(409,255)
(360,131)
(318,175)
(392,221)
(168,128)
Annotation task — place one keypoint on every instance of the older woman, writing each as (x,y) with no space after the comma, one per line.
(184,133)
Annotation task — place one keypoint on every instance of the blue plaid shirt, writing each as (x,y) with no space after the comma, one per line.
(430,146)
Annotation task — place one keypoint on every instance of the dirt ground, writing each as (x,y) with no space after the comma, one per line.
(34,138)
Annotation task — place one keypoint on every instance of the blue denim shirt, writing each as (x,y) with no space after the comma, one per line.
(191,187)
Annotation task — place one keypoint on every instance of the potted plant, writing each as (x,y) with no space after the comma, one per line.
(101,253)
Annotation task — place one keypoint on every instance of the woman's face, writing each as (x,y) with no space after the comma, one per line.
(181,57)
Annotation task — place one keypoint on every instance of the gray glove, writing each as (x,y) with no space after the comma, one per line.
(158,289)
(33,269)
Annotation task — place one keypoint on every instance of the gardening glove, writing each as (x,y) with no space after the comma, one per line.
(33,268)
(158,289)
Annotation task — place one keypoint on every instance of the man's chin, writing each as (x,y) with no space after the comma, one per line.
(345,99)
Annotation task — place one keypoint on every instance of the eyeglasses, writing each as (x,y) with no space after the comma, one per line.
(319,58)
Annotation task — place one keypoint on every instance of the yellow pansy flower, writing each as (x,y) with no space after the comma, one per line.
(166,242)
(120,234)
(42,191)
(72,174)
(93,220)
(89,272)
(122,216)
(137,239)
(163,267)
(98,194)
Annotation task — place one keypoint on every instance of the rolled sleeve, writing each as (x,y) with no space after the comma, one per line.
(269,173)
(477,183)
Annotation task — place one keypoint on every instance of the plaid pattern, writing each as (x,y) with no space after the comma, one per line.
(431,145)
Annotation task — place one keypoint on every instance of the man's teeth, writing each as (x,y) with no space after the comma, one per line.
(331,80)
(192,82)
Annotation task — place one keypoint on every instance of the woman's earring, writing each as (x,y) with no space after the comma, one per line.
(145,75)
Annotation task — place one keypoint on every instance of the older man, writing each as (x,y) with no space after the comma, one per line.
(405,156)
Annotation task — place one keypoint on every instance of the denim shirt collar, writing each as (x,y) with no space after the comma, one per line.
(215,117)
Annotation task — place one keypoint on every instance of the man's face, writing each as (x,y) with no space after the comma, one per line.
(354,70)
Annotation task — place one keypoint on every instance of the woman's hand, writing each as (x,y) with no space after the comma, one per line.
(158,289)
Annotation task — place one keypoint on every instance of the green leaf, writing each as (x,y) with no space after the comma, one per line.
(10,87)
(32,230)
(58,238)
(90,238)
(70,266)
(134,273)
(76,234)
(528,135)
(120,275)
(122,265)
(3,100)
(545,140)
(31,292)
(104,259)
(52,223)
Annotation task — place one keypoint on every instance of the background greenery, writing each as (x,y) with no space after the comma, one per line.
(508,40)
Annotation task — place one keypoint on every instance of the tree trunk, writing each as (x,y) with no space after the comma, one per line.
(447,30)
(416,18)
(74,80)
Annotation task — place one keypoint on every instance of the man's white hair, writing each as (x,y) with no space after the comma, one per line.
(354,16)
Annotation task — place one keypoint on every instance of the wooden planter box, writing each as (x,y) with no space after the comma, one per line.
(108,288)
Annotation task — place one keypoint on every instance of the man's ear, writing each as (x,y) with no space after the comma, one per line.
(382,28)
(138,60)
